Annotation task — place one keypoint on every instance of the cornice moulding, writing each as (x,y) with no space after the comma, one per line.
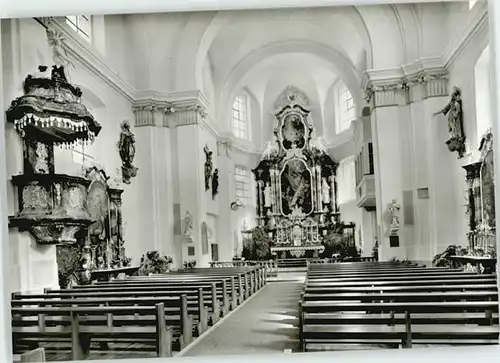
(82,54)
(477,22)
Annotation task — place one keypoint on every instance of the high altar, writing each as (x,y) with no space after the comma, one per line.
(296,186)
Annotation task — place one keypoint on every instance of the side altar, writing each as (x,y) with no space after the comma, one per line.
(296,184)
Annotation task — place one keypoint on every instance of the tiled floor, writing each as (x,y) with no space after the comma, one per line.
(267,323)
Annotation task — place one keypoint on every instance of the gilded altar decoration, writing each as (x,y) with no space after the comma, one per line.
(126,148)
(104,243)
(325,191)
(487,174)
(295,178)
(208,166)
(453,110)
(215,183)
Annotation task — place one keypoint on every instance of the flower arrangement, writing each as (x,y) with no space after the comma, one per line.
(189,264)
(153,263)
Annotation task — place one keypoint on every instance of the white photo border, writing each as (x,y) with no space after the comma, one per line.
(30,8)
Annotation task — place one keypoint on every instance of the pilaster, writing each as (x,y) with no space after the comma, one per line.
(226,224)
(412,163)
(154,156)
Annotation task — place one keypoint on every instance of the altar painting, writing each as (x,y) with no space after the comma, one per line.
(296,188)
(488,189)
(293,131)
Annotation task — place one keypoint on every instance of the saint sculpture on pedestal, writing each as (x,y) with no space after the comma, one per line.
(126,147)
(453,110)
(393,210)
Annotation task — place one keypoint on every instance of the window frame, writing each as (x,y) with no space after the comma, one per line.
(80,151)
(73,21)
(346,107)
(240,127)
(242,183)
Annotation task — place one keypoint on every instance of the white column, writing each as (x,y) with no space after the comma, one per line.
(191,196)
(154,179)
(226,221)
(388,163)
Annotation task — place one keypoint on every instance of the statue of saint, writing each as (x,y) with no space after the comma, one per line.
(393,210)
(59,54)
(208,167)
(267,195)
(325,191)
(215,183)
(126,148)
(188,223)
(453,110)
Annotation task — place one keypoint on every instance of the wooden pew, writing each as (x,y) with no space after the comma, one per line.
(404,277)
(202,302)
(420,282)
(80,336)
(396,306)
(231,291)
(218,302)
(36,355)
(176,311)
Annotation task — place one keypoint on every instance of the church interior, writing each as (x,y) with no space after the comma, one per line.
(250,181)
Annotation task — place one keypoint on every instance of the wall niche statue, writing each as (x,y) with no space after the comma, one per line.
(453,110)
(393,210)
(126,148)
(188,224)
(208,167)
(215,183)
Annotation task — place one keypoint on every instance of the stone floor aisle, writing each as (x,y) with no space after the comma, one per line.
(267,323)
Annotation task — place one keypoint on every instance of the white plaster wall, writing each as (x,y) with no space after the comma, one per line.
(24,50)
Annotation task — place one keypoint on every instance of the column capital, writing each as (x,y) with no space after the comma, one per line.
(411,83)
(177,108)
(224,147)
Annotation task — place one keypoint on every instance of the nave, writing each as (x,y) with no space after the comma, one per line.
(239,310)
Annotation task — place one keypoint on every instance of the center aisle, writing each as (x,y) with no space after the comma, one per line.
(266,323)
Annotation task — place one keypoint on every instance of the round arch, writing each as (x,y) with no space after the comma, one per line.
(221,18)
(338,62)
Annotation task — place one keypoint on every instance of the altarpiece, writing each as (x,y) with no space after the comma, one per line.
(296,186)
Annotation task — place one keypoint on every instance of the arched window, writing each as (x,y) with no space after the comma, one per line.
(242,183)
(344,107)
(482,91)
(80,24)
(346,181)
(240,117)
